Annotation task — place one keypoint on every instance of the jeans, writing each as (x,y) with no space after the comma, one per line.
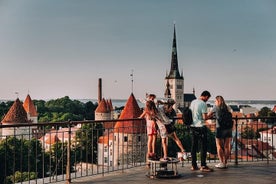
(199,135)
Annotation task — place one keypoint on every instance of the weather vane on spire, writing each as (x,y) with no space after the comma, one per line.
(131,75)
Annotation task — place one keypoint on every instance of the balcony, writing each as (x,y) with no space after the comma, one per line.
(95,151)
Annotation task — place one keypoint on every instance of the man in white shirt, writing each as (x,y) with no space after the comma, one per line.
(199,131)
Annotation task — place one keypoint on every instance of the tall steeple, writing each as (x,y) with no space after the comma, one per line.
(174,72)
(175,81)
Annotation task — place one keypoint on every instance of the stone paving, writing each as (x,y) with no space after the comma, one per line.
(244,173)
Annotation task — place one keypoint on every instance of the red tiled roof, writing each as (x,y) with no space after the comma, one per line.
(131,110)
(104,139)
(110,106)
(50,138)
(258,145)
(60,135)
(102,107)
(255,125)
(237,114)
(29,106)
(16,114)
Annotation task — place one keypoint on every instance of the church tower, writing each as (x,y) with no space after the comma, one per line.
(16,115)
(174,81)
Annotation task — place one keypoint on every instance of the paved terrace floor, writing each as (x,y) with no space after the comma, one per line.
(244,173)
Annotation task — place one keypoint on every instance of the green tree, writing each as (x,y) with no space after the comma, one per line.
(86,146)
(21,176)
(4,107)
(248,133)
(267,112)
(183,133)
(89,109)
(65,104)
(58,110)
(14,152)
(64,109)
(59,158)
(40,106)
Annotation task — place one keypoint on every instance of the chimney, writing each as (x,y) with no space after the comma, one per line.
(100,91)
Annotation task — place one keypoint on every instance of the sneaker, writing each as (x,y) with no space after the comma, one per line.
(206,169)
(185,155)
(220,166)
(151,156)
(194,168)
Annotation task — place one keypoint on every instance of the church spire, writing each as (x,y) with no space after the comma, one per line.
(174,72)
(175,81)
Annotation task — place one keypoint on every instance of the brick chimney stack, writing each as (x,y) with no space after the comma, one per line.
(100,90)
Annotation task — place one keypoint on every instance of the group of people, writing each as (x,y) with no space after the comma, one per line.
(160,118)
(157,122)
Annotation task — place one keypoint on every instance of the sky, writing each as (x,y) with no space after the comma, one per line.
(56,48)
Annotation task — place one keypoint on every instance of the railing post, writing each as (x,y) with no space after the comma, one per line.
(68,165)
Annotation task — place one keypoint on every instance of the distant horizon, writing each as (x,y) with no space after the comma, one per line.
(121,102)
(124,99)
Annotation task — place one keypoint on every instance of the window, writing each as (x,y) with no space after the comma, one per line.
(125,139)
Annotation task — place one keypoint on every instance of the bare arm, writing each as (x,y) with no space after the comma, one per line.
(143,114)
(206,116)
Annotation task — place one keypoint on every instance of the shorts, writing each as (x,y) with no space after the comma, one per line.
(223,133)
(162,129)
(151,127)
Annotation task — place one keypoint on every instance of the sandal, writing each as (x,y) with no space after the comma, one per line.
(194,168)
(206,169)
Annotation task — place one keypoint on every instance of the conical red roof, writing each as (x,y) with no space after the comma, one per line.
(110,106)
(131,110)
(102,107)
(16,114)
(29,106)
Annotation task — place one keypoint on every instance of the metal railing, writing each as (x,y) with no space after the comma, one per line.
(52,152)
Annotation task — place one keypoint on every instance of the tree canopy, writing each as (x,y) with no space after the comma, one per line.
(58,110)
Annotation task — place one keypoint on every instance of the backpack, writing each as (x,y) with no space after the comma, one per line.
(187,116)
(225,120)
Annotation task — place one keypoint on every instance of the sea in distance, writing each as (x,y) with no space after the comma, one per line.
(253,103)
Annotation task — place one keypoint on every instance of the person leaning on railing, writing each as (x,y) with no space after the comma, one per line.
(149,114)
